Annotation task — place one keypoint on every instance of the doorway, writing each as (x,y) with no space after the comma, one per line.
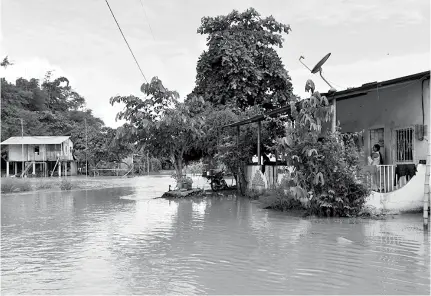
(377,136)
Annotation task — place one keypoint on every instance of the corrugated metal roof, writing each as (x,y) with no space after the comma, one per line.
(36,140)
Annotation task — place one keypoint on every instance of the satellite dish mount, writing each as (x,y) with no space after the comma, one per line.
(318,68)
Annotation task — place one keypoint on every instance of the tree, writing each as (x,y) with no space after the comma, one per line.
(241,67)
(160,123)
(53,109)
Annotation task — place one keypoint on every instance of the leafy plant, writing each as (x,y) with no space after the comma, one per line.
(326,167)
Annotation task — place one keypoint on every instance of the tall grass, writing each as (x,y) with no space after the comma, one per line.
(9,185)
(47,184)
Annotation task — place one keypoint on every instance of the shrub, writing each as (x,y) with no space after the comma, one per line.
(66,184)
(326,169)
(279,200)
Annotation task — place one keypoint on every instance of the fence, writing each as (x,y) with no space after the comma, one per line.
(381,178)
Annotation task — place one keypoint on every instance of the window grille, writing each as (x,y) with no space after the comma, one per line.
(404,144)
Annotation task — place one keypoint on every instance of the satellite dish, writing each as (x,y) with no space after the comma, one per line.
(318,68)
(319,65)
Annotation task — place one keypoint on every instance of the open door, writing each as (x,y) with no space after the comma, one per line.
(377,136)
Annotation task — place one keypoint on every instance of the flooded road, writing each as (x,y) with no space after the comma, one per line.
(122,241)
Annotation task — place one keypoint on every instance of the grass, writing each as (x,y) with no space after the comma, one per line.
(9,185)
(46,184)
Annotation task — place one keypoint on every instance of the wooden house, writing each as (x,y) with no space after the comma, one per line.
(40,156)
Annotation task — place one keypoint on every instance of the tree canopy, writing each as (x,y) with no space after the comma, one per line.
(160,123)
(54,108)
(241,67)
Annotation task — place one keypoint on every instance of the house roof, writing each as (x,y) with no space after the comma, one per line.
(365,88)
(36,140)
(344,94)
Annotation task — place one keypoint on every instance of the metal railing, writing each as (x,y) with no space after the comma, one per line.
(381,178)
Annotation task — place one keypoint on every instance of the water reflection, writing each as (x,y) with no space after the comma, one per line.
(121,241)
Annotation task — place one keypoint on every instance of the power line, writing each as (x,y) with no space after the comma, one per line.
(148,21)
(118,25)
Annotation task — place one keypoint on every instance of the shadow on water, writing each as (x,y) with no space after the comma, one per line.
(122,241)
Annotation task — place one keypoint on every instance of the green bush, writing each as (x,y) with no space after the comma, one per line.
(279,200)
(326,169)
(66,184)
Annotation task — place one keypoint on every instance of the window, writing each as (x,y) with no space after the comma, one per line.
(404,144)
(36,150)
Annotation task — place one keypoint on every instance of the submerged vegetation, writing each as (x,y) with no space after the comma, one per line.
(10,185)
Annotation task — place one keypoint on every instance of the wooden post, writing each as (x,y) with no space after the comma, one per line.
(259,126)
(238,177)
(16,168)
(334,115)
(148,164)
(7,168)
(276,169)
(34,168)
(59,169)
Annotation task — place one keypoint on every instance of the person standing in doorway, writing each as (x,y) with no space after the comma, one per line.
(376,159)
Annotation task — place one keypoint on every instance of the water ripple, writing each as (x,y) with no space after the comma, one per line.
(122,241)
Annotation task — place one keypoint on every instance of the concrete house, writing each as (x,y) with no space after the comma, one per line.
(392,113)
(40,155)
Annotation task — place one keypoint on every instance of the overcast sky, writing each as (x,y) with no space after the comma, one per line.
(370,40)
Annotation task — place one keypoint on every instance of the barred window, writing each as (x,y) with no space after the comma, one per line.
(404,144)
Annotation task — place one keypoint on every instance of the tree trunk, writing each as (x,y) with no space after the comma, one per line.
(180,166)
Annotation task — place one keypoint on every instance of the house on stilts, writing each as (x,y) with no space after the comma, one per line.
(41,156)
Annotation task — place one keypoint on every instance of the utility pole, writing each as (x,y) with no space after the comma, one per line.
(86,147)
(22,145)
(427,193)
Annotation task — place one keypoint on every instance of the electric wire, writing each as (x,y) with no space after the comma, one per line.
(146,17)
(124,37)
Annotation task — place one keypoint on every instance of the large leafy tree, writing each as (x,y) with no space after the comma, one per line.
(159,123)
(241,67)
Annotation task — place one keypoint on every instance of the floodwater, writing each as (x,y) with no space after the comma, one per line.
(122,241)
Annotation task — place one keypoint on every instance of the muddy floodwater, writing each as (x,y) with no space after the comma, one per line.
(122,241)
